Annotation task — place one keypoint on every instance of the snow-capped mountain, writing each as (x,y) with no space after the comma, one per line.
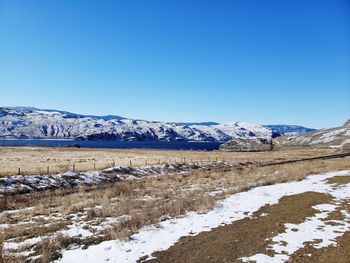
(206,123)
(338,137)
(282,129)
(27,122)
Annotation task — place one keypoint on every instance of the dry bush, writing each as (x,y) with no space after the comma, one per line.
(49,250)
(117,232)
(122,189)
(175,208)
(10,258)
(2,238)
(90,214)
(50,247)
(29,230)
(131,225)
(148,216)
(135,221)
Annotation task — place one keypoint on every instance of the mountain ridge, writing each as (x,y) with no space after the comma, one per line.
(337,137)
(33,123)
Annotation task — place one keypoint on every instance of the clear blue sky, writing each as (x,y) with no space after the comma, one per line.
(265,62)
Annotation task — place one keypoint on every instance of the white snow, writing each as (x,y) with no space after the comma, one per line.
(5,212)
(32,183)
(34,123)
(72,231)
(336,137)
(347,141)
(313,228)
(27,242)
(151,239)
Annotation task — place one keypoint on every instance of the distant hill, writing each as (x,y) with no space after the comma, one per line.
(33,123)
(338,137)
(66,113)
(282,129)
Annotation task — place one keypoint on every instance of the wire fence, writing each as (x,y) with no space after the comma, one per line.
(53,165)
(84,166)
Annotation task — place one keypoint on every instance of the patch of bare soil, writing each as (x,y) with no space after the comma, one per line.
(338,254)
(331,254)
(245,237)
(339,180)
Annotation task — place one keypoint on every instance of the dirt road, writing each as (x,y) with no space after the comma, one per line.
(254,238)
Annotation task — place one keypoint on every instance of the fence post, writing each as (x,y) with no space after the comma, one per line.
(113,163)
(73,167)
(130,163)
(19,171)
(94,165)
(146,162)
(48,169)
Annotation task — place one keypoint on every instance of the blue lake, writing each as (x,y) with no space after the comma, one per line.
(209,146)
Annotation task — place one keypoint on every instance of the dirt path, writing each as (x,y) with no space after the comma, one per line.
(253,235)
(335,254)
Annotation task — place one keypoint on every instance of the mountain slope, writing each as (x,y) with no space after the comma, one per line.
(21,122)
(207,123)
(338,137)
(282,129)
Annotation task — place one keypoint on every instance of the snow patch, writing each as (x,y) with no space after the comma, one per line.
(151,239)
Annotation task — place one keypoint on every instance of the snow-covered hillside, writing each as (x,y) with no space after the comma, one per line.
(288,129)
(338,137)
(21,122)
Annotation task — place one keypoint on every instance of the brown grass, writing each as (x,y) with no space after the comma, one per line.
(339,180)
(146,201)
(25,231)
(51,247)
(2,238)
(35,160)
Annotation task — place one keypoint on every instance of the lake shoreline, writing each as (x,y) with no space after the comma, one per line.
(178,145)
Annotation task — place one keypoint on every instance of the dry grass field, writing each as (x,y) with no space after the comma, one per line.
(37,160)
(40,225)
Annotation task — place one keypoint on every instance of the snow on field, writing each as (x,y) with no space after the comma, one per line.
(13,211)
(72,231)
(238,206)
(314,228)
(23,184)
